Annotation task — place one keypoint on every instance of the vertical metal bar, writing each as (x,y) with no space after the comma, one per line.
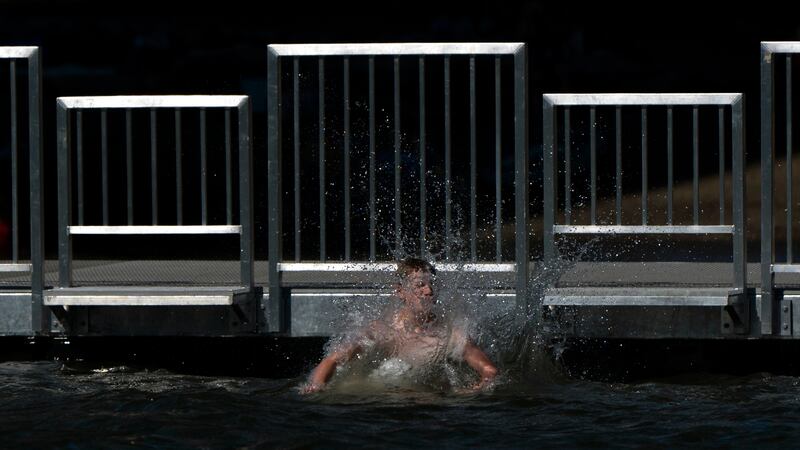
(498,163)
(769,304)
(372,218)
(346,158)
(296,140)
(670,177)
(523,298)
(228,170)
(203,168)
(247,251)
(40,316)
(567,168)
(550,177)
(64,198)
(79,163)
(14,164)
(422,160)
(695,166)
(447,149)
(153,167)
(473,162)
(618,145)
(129,164)
(789,184)
(322,231)
(398,225)
(721,152)
(739,195)
(278,306)
(644,166)
(104,161)
(179,166)
(593,161)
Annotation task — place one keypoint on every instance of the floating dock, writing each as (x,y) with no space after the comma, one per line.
(348,192)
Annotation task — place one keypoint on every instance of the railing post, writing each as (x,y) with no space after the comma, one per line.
(246,194)
(549,148)
(521,175)
(769,305)
(64,197)
(277,310)
(40,316)
(739,195)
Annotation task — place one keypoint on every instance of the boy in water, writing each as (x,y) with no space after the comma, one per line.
(412,334)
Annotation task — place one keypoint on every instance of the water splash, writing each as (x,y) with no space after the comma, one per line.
(470,305)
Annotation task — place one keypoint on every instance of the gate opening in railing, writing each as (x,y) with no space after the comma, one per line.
(133,168)
(608,146)
(396,149)
(21,233)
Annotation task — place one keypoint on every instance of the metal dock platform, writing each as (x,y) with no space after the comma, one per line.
(428,153)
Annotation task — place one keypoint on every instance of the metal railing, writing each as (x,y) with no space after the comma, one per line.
(31,68)
(128,222)
(554,104)
(357,66)
(772,54)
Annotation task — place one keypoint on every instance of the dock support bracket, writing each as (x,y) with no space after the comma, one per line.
(61,314)
(790,317)
(278,311)
(736,314)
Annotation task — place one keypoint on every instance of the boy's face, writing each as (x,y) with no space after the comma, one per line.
(416,291)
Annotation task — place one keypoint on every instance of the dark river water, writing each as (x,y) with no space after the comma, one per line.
(48,404)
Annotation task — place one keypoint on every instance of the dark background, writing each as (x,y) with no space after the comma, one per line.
(221,49)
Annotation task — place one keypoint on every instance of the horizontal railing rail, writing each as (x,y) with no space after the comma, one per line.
(335,67)
(557,115)
(187,218)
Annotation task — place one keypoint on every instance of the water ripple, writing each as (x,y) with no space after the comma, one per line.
(45,406)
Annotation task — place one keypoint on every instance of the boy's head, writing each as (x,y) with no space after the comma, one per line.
(408,266)
(415,285)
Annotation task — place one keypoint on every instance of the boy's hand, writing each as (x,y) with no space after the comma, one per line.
(310,388)
(483,385)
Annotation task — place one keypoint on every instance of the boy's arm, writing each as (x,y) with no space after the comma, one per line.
(478,360)
(325,369)
(321,374)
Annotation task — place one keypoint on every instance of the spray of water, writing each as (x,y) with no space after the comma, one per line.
(469,307)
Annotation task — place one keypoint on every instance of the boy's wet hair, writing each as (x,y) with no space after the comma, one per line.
(408,266)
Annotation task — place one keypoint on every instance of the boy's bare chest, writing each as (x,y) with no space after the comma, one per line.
(418,345)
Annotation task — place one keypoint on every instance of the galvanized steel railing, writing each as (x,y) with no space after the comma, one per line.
(418,54)
(564,103)
(772,54)
(30,69)
(69,107)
